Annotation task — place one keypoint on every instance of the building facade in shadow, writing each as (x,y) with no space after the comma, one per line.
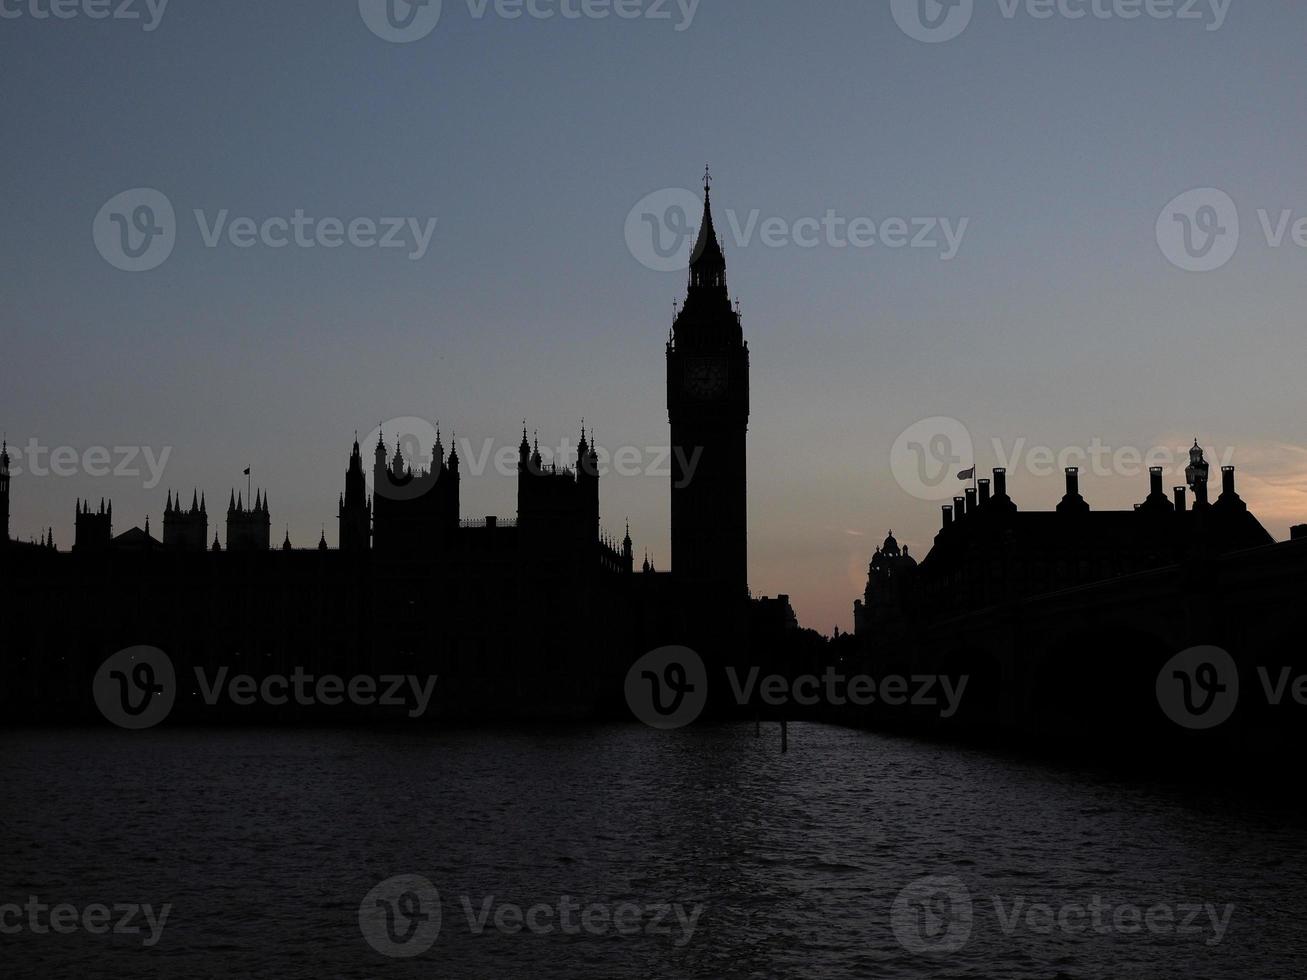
(535,615)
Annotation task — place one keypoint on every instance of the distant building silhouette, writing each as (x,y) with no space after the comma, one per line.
(93,531)
(186,530)
(988,551)
(540,613)
(248,529)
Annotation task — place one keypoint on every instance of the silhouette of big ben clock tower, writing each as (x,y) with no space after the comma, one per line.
(708,407)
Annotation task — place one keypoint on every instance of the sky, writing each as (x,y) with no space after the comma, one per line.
(953,243)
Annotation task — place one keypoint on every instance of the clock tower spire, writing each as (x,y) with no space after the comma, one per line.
(708,407)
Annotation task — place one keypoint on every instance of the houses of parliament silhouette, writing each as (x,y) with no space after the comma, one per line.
(1055,618)
(536,614)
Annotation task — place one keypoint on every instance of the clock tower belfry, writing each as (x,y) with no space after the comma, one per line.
(708,407)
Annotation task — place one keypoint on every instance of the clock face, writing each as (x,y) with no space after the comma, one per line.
(706,377)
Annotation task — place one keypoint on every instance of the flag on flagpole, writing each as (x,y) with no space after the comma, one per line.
(247,471)
(967,474)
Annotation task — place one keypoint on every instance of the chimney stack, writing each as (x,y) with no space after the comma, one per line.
(1155,478)
(984,492)
(959,508)
(971,500)
(1073,503)
(1227,480)
(1180,503)
(948,517)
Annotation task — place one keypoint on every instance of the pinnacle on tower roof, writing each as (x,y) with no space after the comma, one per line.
(707,263)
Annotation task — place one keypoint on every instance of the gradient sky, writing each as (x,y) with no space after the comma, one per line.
(1059,322)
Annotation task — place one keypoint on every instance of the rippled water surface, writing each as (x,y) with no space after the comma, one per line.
(265,843)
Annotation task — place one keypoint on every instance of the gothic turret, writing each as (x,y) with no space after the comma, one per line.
(355,511)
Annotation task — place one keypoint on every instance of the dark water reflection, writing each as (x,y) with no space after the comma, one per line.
(266,842)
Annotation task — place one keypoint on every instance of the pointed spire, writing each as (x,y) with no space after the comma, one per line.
(707,263)
(203,510)
(167,507)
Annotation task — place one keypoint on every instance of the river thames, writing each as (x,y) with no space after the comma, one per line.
(625,852)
